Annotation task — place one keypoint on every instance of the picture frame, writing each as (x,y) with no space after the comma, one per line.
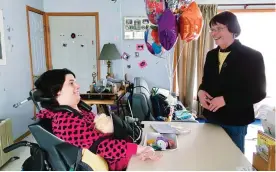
(135,27)
(2,40)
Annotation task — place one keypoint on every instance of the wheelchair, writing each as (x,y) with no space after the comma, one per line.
(53,154)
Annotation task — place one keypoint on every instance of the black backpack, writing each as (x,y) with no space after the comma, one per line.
(160,106)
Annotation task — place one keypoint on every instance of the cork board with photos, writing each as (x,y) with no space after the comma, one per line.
(135,27)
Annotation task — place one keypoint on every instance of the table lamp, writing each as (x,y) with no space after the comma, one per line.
(109,52)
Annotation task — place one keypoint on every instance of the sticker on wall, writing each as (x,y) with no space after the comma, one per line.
(142,64)
(73,35)
(125,56)
(136,54)
(128,66)
(139,47)
(116,38)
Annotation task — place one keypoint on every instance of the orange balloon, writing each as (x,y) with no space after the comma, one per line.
(155,37)
(190,22)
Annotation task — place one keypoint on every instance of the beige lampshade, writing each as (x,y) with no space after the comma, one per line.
(109,52)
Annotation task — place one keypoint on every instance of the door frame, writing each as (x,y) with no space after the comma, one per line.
(48,42)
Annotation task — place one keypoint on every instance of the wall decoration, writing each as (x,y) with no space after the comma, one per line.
(73,35)
(142,64)
(139,47)
(128,66)
(136,54)
(94,75)
(125,56)
(2,40)
(134,27)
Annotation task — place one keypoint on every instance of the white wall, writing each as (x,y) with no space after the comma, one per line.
(15,77)
(155,73)
(111,30)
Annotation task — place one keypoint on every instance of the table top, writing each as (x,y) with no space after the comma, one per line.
(119,93)
(109,98)
(99,102)
(206,148)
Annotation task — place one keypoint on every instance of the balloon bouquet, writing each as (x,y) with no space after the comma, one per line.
(171,20)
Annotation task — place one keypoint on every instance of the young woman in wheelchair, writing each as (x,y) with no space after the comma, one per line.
(80,130)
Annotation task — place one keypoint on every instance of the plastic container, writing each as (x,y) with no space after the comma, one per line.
(151,136)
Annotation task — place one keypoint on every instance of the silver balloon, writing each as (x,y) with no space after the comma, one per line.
(185,2)
(173,4)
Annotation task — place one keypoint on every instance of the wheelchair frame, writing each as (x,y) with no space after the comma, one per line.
(53,159)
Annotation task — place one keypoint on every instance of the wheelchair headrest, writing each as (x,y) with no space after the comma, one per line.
(37,96)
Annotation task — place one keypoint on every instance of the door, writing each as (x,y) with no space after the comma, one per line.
(37,44)
(73,46)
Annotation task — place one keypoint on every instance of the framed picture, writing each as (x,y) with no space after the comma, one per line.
(134,27)
(2,40)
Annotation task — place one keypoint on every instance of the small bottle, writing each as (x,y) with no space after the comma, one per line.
(170,115)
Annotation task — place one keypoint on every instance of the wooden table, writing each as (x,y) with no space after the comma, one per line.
(206,148)
(107,98)
(104,99)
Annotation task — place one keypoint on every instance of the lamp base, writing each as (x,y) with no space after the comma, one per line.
(108,69)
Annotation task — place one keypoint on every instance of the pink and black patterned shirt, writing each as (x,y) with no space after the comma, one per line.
(80,131)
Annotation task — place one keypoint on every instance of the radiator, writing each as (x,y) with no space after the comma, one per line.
(6,139)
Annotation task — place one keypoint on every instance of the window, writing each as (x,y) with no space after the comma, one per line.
(258,31)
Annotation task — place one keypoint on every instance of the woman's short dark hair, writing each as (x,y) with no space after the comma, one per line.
(229,19)
(50,83)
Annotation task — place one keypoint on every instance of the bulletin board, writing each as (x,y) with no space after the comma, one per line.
(134,27)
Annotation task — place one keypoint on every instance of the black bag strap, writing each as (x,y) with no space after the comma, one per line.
(95,145)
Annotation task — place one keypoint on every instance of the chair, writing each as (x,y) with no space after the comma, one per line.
(60,155)
(141,103)
(42,133)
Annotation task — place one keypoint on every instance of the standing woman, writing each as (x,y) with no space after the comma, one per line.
(233,79)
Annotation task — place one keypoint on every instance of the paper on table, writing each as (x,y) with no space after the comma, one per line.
(250,168)
(166,128)
(163,128)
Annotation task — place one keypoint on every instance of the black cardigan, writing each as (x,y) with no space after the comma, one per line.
(241,82)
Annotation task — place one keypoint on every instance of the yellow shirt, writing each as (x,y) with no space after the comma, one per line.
(222,56)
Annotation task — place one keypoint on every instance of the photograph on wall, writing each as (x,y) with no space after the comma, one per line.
(134,27)
(2,39)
